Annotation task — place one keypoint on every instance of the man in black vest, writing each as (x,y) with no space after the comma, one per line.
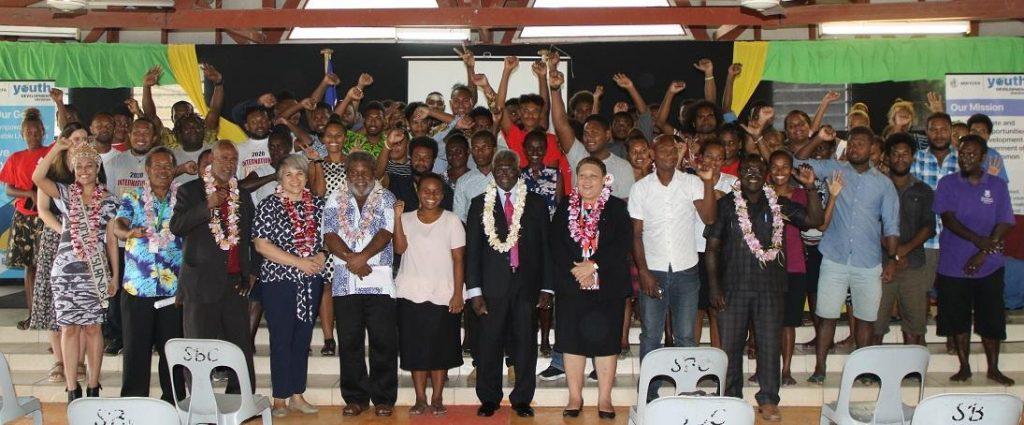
(214,281)
(505,278)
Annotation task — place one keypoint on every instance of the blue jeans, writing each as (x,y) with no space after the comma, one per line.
(680,294)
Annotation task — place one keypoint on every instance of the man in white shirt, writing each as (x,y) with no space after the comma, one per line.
(664,206)
(474,182)
(126,170)
(190,131)
(255,172)
(597,133)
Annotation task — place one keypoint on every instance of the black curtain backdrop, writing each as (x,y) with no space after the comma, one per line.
(251,70)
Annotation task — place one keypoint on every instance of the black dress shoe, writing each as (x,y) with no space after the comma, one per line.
(523,411)
(605,415)
(571,413)
(74,395)
(93,392)
(487,410)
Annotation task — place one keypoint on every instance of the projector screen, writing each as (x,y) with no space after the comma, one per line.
(430,74)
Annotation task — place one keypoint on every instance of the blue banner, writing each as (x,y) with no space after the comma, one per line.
(15,97)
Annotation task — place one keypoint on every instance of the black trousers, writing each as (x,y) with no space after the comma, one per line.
(146,329)
(510,320)
(228,320)
(289,336)
(112,324)
(355,316)
(765,309)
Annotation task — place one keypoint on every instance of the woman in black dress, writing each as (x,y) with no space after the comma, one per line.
(590,240)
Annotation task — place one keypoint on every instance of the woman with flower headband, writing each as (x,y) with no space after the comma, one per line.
(286,232)
(747,272)
(80,276)
(591,235)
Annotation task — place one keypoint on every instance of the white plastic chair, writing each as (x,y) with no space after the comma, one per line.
(200,357)
(13,407)
(973,409)
(684,365)
(126,410)
(891,363)
(699,410)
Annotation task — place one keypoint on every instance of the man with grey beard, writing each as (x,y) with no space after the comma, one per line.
(357,225)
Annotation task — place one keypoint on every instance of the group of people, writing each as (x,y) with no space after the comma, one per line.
(399,224)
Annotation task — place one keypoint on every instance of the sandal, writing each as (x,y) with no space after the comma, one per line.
(418,409)
(439,409)
(354,409)
(57,373)
(330,348)
(383,410)
(23,325)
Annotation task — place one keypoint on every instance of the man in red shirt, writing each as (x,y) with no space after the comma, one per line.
(25,225)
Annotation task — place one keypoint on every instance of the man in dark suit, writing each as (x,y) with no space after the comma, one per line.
(214,282)
(505,287)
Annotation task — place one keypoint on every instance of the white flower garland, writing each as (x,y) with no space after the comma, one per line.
(517,215)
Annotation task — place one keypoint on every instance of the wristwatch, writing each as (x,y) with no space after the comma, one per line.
(894,257)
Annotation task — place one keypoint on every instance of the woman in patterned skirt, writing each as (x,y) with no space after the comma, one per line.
(334,180)
(80,276)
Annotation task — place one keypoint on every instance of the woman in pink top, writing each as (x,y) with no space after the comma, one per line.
(429,285)
(780,173)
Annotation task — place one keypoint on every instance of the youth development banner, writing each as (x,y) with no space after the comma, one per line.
(1001,97)
(15,97)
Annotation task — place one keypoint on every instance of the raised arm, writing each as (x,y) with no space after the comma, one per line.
(511,62)
(625,83)
(595,108)
(710,90)
(826,134)
(819,115)
(352,97)
(149,80)
(539,69)
(216,99)
(39,178)
(734,71)
(62,110)
(302,136)
(559,118)
(666,107)
(469,60)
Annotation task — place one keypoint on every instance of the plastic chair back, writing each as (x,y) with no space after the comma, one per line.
(11,407)
(891,363)
(126,410)
(973,409)
(684,365)
(698,411)
(200,357)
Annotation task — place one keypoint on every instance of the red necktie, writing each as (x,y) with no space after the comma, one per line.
(514,253)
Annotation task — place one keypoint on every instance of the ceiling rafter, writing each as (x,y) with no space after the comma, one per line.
(195,19)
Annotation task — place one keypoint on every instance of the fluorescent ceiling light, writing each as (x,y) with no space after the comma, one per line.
(602,31)
(600,3)
(371,4)
(433,34)
(376,33)
(38,32)
(895,27)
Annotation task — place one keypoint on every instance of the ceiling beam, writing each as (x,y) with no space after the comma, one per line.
(197,19)
(729,32)
(699,32)
(93,35)
(18,3)
(274,35)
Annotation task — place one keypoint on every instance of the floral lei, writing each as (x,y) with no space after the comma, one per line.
(517,214)
(84,246)
(352,234)
(583,226)
(303,223)
(158,239)
(764,256)
(225,242)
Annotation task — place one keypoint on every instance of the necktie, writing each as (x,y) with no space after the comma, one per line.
(514,253)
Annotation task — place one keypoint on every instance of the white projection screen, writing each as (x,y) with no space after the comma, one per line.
(436,73)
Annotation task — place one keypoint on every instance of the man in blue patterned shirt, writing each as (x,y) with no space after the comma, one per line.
(152,261)
(357,226)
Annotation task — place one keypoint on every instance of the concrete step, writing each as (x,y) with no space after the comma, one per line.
(323,389)
(33,357)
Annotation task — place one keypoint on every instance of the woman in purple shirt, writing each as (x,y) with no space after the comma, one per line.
(976,215)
